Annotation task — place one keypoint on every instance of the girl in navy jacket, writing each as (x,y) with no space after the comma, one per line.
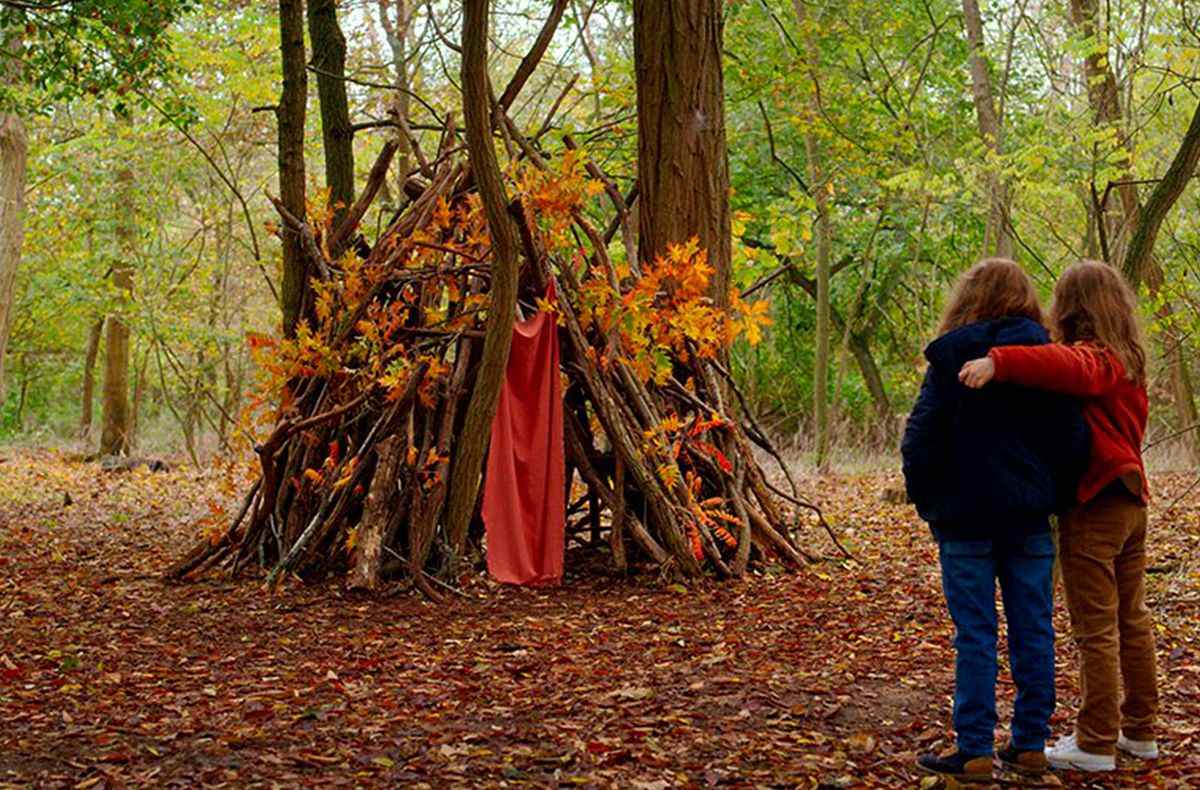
(986,469)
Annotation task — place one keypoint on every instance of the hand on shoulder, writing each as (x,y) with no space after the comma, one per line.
(977,372)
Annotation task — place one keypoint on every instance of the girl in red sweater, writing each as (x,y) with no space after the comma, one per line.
(1102,543)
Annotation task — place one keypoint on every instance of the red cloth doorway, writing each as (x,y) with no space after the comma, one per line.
(523,508)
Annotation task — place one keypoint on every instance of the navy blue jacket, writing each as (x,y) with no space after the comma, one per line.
(996,461)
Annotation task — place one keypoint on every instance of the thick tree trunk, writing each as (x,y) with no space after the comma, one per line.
(89,379)
(683,167)
(116,436)
(14,148)
(497,341)
(997,238)
(290,117)
(329,62)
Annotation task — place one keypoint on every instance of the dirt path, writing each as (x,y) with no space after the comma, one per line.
(833,678)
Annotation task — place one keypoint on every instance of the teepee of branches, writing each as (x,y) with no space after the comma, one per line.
(364,413)
(371,393)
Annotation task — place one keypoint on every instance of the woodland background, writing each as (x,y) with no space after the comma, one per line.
(855,131)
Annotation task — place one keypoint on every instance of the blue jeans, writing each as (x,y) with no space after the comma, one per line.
(1024,566)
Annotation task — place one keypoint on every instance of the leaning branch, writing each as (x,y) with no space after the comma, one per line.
(1168,190)
(497,339)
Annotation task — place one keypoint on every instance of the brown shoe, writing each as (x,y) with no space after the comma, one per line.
(1030,763)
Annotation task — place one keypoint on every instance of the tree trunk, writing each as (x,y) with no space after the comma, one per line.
(19,417)
(1105,101)
(290,117)
(116,436)
(368,547)
(1139,259)
(14,148)
(997,239)
(872,377)
(89,379)
(329,62)
(396,29)
(139,390)
(1139,265)
(497,341)
(820,187)
(860,347)
(683,166)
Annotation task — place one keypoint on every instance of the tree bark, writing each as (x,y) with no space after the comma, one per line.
(1139,265)
(497,340)
(89,379)
(820,187)
(860,348)
(1139,259)
(116,436)
(368,550)
(396,30)
(872,377)
(139,390)
(329,62)
(997,238)
(14,149)
(289,114)
(1104,99)
(683,166)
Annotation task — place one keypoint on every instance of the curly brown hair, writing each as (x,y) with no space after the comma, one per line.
(993,288)
(1094,304)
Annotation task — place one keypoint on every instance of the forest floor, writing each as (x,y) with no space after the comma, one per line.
(836,677)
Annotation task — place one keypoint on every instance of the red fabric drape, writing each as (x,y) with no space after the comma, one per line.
(523,508)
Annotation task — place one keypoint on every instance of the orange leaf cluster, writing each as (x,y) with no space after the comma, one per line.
(668,313)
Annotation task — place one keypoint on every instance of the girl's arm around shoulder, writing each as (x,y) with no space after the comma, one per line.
(1080,369)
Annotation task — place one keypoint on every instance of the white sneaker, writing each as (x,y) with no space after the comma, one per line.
(1146,750)
(1067,755)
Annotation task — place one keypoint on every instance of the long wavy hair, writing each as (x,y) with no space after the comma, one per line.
(1094,304)
(993,288)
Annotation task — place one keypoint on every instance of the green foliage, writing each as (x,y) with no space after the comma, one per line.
(115,49)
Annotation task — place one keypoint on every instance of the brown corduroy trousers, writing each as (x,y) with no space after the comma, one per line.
(1102,548)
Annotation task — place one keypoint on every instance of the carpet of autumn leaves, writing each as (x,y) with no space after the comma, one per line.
(834,678)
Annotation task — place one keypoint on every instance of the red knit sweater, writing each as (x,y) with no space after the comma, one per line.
(1114,407)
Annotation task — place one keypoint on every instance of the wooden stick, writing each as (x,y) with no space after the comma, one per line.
(375,182)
